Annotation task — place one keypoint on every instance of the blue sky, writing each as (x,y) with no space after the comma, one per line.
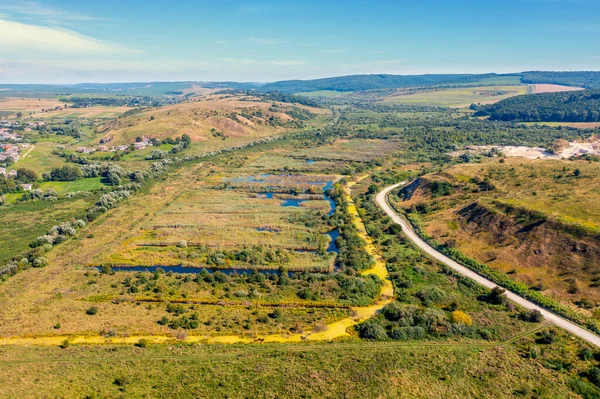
(65,41)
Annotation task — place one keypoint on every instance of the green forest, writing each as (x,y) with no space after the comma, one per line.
(583,106)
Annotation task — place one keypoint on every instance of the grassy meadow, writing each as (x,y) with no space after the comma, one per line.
(456,97)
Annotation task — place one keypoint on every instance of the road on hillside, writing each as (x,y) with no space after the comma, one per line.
(408,231)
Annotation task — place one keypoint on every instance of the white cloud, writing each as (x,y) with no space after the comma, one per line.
(18,36)
(42,13)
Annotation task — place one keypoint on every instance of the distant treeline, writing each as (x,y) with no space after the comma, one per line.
(369,82)
(579,106)
(589,80)
(288,98)
(84,102)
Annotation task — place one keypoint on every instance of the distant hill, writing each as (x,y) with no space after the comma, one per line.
(125,89)
(571,106)
(370,82)
(587,79)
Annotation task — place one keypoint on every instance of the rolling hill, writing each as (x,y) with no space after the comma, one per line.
(210,118)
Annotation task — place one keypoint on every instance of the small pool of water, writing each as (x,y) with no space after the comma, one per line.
(334,234)
(310,161)
(293,202)
(267,229)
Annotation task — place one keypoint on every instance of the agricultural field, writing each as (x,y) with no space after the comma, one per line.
(550,88)
(456,97)
(95,112)
(27,106)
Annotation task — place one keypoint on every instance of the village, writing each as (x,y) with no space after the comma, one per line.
(143,143)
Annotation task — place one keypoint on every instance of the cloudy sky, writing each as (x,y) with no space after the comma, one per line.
(66,41)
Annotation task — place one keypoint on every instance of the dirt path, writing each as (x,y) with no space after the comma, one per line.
(408,232)
(334,330)
(28,151)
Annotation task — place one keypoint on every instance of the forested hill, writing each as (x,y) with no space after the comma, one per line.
(574,106)
(370,82)
(587,79)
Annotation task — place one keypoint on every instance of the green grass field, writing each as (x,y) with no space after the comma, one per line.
(40,159)
(20,224)
(457,97)
(63,187)
(339,370)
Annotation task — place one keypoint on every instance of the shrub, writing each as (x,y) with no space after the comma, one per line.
(586,354)
(371,330)
(92,311)
(532,316)
(40,262)
(398,333)
(459,317)
(547,338)
(430,295)
(497,297)
(277,314)
(416,333)
(79,224)
(594,375)
(142,343)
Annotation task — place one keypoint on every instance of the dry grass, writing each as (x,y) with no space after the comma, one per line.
(27,105)
(233,117)
(550,88)
(547,256)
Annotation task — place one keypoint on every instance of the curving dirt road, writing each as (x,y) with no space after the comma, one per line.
(407,230)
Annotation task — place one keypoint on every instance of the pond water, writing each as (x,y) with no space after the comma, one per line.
(310,161)
(334,234)
(267,229)
(296,202)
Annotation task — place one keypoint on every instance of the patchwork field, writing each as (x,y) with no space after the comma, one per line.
(549,88)
(95,112)
(27,105)
(457,97)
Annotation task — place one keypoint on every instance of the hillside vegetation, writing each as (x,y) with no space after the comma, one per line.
(214,118)
(587,79)
(579,106)
(370,82)
(536,220)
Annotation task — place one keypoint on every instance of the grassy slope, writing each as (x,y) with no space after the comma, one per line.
(197,118)
(538,255)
